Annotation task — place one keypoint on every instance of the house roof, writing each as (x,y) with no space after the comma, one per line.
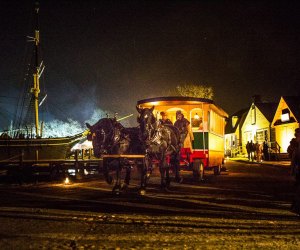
(241,115)
(268,109)
(293,103)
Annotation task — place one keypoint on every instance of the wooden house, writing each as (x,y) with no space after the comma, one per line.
(286,120)
(257,124)
(233,136)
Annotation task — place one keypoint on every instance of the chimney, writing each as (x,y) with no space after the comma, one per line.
(256,98)
(234,120)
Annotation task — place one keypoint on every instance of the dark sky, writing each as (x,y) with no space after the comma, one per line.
(109,54)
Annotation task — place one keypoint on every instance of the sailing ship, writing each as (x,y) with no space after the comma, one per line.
(26,142)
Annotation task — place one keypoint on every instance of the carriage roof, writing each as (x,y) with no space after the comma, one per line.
(181,101)
(175,100)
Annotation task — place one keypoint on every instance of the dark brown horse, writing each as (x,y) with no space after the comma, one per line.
(162,143)
(110,140)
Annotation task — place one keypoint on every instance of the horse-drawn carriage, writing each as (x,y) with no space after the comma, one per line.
(207,122)
(152,143)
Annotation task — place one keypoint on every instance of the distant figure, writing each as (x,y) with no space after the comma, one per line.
(186,135)
(294,153)
(265,151)
(250,147)
(164,119)
(248,150)
(258,151)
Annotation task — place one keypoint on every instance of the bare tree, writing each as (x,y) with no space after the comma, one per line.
(195,90)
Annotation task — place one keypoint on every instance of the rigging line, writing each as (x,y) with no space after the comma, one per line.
(58,109)
(43,87)
(17,119)
(26,89)
(10,97)
(6,112)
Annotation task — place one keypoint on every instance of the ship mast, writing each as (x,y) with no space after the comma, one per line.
(35,90)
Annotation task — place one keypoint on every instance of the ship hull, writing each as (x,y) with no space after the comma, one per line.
(15,150)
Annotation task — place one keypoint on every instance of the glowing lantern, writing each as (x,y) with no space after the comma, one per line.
(67,181)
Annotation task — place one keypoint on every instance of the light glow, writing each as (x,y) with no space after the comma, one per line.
(285,117)
(84,145)
(67,181)
(154,103)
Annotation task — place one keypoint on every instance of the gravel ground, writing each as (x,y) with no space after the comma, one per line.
(231,211)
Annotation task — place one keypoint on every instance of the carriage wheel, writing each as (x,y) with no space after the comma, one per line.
(198,170)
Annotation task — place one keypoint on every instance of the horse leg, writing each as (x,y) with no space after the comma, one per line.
(164,172)
(143,171)
(149,167)
(162,176)
(117,188)
(127,177)
(106,175)
(176,166)
(168,181)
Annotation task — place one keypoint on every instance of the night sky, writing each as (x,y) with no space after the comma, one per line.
(109,54)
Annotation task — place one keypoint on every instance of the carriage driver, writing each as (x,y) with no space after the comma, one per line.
(164,119)
(186,134)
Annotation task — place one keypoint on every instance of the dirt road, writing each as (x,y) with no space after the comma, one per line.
(247,207)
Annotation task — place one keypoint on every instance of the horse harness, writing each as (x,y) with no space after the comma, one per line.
(157,136)
(114,137)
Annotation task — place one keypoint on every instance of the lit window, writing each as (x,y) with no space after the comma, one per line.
(285,115)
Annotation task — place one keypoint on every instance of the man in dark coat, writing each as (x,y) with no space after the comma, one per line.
(294,152)
(186,135)
(248,150)
(164,119)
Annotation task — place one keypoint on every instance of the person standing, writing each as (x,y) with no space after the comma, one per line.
(248,150)
(252,150)
(186,134)
(258,151)
(164,119)
(294,153)
(266,151)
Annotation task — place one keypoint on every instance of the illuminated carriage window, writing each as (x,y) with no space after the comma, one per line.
(197,119)
(171,113)
(216,123)
(212,121)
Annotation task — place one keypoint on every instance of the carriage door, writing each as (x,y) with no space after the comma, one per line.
(199,129)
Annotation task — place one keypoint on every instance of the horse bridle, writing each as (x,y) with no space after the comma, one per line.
(116,137)
(153,132)
(103,138)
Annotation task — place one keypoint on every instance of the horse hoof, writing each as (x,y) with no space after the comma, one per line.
(142,192)
(124,186)
(117,193)
(116,190)
(165,187)
(110,180)
(179,179)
